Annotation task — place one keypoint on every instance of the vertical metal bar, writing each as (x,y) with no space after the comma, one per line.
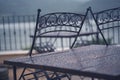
(25,41)
(62,44)
(92,78)
(0,42)
(0,33)
(103,29)
(108,32)
(29,21)
(69,42)
(14,32)
(70,38)
(65,43)
(10,41)
(113,33)
(20,38)
(118,13)
(34,38)
(34,20)
(97,35)
(118,32)
(102,24)
(4,33)
(14,72)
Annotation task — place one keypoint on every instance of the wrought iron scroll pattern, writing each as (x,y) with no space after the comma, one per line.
(108,16)
(61,19)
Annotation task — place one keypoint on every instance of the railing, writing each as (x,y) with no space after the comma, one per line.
(15,32)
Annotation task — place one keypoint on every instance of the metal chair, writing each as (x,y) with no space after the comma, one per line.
(54,28)
(51,28)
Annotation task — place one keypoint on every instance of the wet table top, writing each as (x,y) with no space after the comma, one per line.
(94,60)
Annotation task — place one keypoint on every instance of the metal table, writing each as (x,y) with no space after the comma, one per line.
(97,61)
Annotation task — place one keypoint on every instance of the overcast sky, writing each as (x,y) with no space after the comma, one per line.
(16,7)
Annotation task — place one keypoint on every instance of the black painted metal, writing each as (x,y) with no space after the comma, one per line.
(14,72)
(107,16)
(73,21)
(58,25)
(4,33)
(20,41)
(14,32)
(38,14)
(61,19)
(54,20)
(9,33)
(22,74)
(58,21)
(99,30)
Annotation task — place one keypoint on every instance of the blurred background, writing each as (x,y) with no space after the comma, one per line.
(18,7)
(18,17)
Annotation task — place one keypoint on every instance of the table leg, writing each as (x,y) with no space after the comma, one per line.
(14,73)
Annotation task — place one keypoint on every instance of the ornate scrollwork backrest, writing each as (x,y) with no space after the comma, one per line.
(107,20)
(56,22)
(108,16)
